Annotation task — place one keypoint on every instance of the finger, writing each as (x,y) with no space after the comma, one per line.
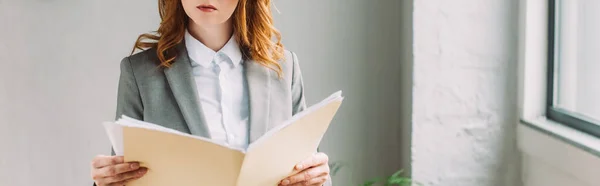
(126,176)
(318,181)
(299,184)
(124,182)
(315,160)
(103,161)
(114,170)
(306,175)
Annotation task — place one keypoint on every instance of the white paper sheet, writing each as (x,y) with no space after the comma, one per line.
(115,132)
(333,97)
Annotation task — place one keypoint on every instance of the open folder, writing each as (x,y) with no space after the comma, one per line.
(177,158)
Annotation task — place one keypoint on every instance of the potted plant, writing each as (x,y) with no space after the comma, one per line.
(395,179)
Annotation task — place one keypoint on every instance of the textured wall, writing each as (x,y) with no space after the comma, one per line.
(465,93)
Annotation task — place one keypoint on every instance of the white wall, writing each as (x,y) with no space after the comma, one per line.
(465,93)
(540,173)
(554,154)
(60,71)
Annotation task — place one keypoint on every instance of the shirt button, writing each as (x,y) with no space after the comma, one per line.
(219,57)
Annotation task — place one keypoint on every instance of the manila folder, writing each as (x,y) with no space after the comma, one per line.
(177,158)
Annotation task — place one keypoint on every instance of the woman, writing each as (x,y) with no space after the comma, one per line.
(211,70)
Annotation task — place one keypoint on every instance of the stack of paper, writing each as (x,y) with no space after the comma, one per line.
(176,158)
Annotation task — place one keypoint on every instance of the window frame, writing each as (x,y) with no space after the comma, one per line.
(566,117)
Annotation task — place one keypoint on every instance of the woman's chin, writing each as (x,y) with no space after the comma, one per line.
(207,21)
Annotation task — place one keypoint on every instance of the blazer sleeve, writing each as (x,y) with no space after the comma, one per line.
(298,100)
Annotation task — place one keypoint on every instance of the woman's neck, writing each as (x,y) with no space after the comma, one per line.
(212,36)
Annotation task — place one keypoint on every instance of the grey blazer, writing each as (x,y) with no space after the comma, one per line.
(169,97)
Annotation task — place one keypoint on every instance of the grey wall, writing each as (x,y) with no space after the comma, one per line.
(373,47)
(361,48)
(60,63)
(60,68)
(406,84)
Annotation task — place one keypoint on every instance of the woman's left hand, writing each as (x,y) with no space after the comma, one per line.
(314,171)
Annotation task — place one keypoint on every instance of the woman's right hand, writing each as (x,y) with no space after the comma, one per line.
(113,171)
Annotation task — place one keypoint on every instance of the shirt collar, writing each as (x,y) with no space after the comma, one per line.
(202,55)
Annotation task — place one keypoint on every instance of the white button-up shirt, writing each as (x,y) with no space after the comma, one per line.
(222,90)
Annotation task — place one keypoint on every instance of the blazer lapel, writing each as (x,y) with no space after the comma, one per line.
(182,84)
(258,78)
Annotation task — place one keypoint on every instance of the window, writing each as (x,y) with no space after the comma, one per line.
(574,64)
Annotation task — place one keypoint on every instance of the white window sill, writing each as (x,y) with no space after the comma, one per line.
(571,152)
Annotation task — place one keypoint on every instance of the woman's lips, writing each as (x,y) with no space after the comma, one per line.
(207,8)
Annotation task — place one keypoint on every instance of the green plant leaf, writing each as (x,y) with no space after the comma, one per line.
(371,182)
(335,167)
(395,179)
(397,174)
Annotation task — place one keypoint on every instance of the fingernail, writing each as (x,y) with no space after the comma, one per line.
(285,182)
(299,166)
(143,171)
(135,165)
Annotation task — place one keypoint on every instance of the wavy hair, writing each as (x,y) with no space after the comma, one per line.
(253,29)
